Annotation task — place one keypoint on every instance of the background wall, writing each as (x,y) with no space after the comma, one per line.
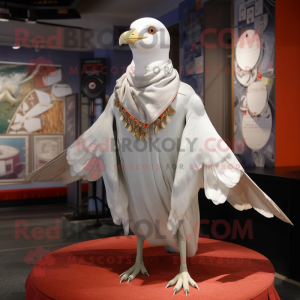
(120,57)
(287,141)
(69,60)
(287,63)
(118,60)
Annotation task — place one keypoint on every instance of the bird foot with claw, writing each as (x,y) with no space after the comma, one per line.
(183,279)
(131,273)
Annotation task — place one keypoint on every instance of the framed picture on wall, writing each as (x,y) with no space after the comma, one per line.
(32,97)
(250,15)
(45,148)
(14,158)
(242,13)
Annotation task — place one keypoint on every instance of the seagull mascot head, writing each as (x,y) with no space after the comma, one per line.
(150,83)
(149,41)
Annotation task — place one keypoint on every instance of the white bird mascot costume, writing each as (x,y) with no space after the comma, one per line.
(155,147)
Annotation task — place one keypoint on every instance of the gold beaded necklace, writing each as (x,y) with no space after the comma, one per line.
(140,129)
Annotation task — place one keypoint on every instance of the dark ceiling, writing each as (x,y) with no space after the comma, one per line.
(42,10)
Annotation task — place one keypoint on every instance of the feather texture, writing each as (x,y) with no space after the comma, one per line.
(216,169)
(90,157)
(57,169)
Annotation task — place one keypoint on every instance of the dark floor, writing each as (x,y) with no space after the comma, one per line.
(14,247)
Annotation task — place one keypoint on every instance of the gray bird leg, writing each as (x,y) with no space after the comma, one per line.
(138,267)
(183,279)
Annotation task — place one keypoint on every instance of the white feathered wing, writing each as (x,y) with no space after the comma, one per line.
(91,156)
(205,161)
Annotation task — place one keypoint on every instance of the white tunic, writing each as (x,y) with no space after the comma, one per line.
(154,191)
(149,171)
(139,177)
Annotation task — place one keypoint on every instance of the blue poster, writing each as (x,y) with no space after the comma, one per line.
(254,82)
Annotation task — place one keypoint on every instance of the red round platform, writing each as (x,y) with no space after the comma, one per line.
(90,270)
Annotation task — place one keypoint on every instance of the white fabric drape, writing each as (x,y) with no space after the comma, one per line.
(147,97)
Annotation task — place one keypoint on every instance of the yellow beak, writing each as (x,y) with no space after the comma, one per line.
(130,37)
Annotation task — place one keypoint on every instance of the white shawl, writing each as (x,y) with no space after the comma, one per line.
(147,97)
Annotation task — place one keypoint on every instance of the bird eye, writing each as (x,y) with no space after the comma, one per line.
(152,30)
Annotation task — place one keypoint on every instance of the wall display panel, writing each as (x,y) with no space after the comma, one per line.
(254,82)
(14,158)
(45,148)
(32,98)
(32,102)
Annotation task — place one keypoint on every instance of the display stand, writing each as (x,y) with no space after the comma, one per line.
(84,216)
(78,216)
(222,271)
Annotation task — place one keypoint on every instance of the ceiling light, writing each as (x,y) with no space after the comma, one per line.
(4,14)
(31,17)
(16,47)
